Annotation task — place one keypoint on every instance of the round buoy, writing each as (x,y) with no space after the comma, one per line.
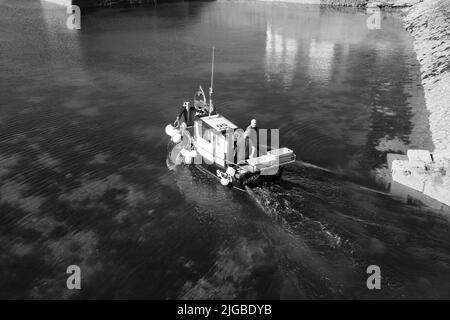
(176,138)
(184,152)
(170,130)
(224,181)
(188,160)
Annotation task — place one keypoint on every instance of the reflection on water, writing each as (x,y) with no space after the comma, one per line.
(281,54)
(321,57)
(65,54)
(83,149)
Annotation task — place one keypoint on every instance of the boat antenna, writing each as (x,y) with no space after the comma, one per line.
(212,82)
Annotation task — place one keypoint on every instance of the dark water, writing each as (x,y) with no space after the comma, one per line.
(82,155)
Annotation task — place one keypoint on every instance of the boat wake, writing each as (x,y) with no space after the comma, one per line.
(324,229)
(353,226)
(301,202)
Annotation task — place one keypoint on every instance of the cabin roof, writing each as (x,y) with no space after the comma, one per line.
(218,122)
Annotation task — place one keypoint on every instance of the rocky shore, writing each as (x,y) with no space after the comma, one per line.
(426,176)
(429,23)
(357,3)
(370,3)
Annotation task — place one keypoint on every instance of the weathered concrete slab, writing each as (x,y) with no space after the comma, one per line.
(394,156)
(409,174)
(426,173)
(419,155)
(415,197)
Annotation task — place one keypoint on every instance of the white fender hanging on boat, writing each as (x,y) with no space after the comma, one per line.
(224,181)
(231,171)
(176,131)
(176,138)
(188,155)
(170,130)
(184,152)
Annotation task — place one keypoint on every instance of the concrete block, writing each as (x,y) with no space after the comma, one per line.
(424,177)
(403,172)
(419,155)
(442,156)
(390,157)
(439,192)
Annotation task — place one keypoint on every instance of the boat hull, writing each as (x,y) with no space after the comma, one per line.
(247,179)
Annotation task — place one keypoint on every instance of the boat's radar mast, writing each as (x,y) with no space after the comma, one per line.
(212,82)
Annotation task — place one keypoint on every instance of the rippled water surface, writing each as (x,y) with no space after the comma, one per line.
(83,155)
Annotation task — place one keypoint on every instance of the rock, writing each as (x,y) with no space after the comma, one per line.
(392,3)
(375,5)
(401,4)
(405,3)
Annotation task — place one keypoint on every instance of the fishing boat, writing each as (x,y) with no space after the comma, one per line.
(202,137)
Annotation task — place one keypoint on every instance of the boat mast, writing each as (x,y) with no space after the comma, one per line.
(212,81)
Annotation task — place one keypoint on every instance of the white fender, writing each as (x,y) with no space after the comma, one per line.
(231,171)
(176,138)
(170,130)
(187,160)
(184,152)
(224,181)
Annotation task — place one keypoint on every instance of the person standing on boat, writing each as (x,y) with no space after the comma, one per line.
(200,101)
(251,139)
